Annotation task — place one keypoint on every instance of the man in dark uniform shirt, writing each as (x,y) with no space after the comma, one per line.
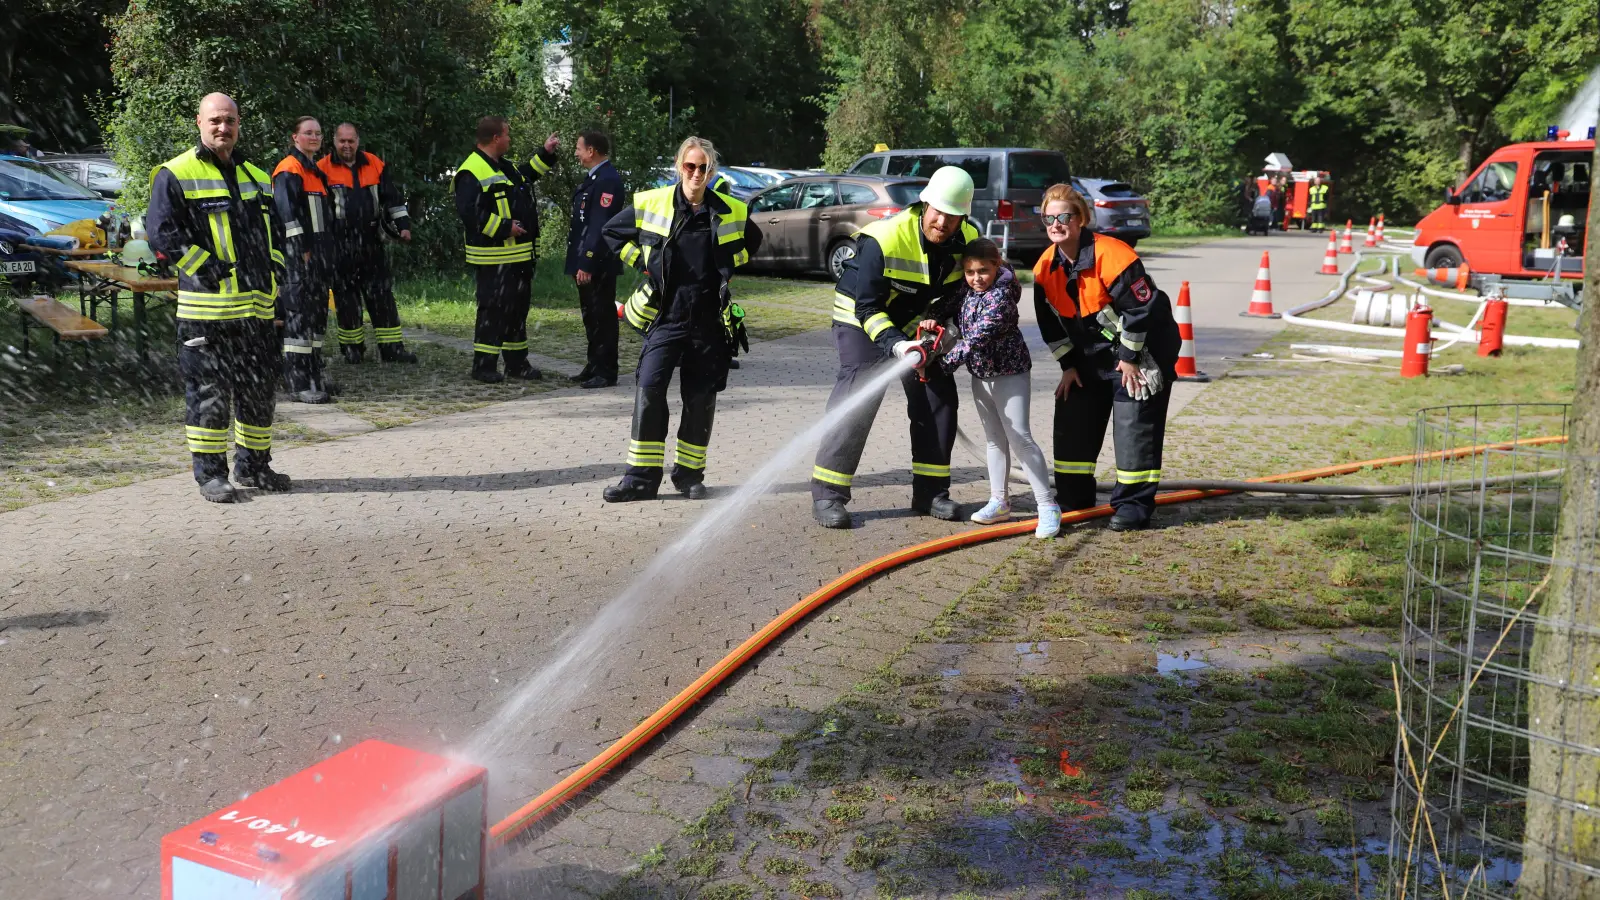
(590,262)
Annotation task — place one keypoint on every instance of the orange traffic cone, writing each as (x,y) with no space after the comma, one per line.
(1185,316)
(1458,277)
(1261,297)
(1330,260)
(1372,234)
(1380,228)
(1345,245)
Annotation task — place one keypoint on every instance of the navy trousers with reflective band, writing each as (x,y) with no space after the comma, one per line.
(930,406)
(228,385)
(1139,429)
(598,302)
(305,321)
(363,281)
(502,326)
(702,364)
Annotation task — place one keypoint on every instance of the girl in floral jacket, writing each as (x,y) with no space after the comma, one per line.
(994,351)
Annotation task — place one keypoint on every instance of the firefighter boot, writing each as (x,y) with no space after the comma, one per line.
(483,368)
(627,490)
(1126,519)
(396,353)
(940,506)
(830,513)
(263,479)
(353,353)
(218,490)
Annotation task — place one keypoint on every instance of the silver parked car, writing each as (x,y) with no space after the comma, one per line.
(1118,209)
(808,223)
(1008,183)
(94,171)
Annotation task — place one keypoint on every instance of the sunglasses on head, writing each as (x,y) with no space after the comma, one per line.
(1060,218)
(696,168)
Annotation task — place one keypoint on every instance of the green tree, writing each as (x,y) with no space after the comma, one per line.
(409,73)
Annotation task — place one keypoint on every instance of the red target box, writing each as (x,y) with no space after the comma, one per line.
(376,822)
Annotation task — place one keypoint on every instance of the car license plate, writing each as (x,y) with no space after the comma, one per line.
(1133,223)
(25,267)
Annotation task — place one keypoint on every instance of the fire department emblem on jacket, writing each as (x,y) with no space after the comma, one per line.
(605,200)
(1141,289)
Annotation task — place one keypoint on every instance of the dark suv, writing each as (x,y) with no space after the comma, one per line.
(1008,184)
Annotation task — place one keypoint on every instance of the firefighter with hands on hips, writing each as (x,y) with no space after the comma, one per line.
(500,220)
(301,197)
(688,240)
(1113,332)
(365,201)
(903,266)
(590,262)
(211,217)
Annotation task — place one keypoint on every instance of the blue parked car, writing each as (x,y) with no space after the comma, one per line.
(44,197)
(24,268)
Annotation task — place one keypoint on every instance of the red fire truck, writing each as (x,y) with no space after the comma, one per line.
(1518,221)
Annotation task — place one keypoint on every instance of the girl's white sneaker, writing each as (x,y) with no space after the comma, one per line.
(1049,521)
(994,511)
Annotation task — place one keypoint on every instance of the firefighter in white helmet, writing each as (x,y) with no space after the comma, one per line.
(903,265)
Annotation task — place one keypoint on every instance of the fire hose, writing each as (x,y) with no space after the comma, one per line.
(1456,333)
(531,813)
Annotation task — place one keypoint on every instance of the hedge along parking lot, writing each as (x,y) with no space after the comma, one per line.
(74,424)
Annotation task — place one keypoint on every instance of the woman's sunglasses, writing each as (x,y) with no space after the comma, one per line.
(1060,219)
(695,168)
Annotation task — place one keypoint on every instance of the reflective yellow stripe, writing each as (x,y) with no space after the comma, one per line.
(877,324)
(740,258)
(648,454)
(629,254)
(691,456)
(932,469)
(829,476)
(206,440)
(252,437)
(1060,348)
(514,345)
(1133,340)
(499,256)
(492,224)
(485,348)
(193,259)
(539,165)
(1148,476)
(1063,467)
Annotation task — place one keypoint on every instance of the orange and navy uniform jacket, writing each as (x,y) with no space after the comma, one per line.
(301,198)
(1102,308)
(363,196)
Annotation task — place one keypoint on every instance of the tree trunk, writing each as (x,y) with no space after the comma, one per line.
(1567,707)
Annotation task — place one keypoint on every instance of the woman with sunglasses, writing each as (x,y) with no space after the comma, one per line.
(1113,332)
(687,239)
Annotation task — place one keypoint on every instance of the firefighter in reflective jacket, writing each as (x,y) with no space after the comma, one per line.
(1117,342)
(903,265)
(364,199)
(688,240)
(500,218)
(1318,205)
(211,217)
(301,198)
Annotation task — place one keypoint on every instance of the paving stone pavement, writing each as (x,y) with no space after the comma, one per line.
(160,656)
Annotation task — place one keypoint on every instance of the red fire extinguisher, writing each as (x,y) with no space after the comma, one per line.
(1492,333)
(1419,342)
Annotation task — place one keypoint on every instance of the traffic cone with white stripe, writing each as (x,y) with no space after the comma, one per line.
(1380,228)
(1261,297)
(1372,234)
(1330,260)
(1346,244)
(1185,316)
(1458,277)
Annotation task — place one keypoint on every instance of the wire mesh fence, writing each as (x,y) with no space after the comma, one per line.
(1497,684)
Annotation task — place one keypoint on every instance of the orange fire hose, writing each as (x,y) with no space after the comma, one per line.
(524,818)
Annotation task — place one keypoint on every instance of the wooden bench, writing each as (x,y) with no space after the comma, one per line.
(67,324)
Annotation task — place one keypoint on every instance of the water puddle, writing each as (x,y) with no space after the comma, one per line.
(1168,663)
(1034,653)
